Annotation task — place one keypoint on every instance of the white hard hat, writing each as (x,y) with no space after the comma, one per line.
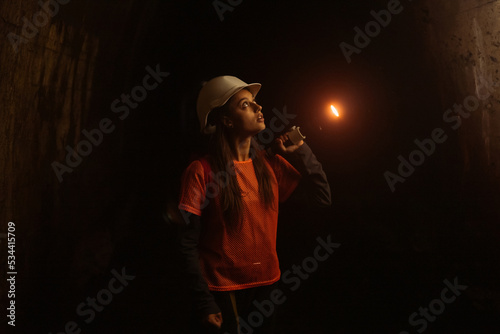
(215,93)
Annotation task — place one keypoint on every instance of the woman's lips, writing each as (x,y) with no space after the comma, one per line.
(260,119)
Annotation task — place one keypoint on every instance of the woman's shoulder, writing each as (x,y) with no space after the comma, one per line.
(195,166)
(272,158)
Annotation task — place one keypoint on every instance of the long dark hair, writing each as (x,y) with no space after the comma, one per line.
(221,161)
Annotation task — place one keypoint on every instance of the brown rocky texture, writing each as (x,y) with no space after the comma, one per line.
(462,40)
(462,44)
(56,84)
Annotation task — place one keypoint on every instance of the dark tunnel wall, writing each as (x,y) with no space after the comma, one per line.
(104,215)
(463,43)
(59,81)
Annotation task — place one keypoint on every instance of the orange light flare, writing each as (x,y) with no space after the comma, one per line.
(334,111)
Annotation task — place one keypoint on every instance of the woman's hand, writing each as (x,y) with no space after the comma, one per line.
(213,320)
(279,146)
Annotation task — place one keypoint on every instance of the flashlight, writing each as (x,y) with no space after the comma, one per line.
(294,135)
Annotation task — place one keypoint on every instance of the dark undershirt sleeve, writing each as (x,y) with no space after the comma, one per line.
(313,189)
(188,237)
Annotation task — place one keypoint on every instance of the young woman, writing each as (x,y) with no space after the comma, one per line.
(229,200)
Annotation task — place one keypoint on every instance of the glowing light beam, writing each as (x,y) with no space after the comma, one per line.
(334,111)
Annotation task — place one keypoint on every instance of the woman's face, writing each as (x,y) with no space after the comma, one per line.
(245,114)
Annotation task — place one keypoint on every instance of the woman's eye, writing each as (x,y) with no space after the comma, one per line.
(245,104)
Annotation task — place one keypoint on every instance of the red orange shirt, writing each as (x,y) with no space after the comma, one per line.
(246,258)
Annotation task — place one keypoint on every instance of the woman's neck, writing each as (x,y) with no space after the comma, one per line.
(241,148)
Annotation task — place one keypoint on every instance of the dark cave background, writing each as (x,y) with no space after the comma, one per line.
(397,247)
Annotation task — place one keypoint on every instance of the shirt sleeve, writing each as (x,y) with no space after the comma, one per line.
(192,192)
(314,189)
(287,176)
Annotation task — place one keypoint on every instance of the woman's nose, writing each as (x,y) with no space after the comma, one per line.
(256,107)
